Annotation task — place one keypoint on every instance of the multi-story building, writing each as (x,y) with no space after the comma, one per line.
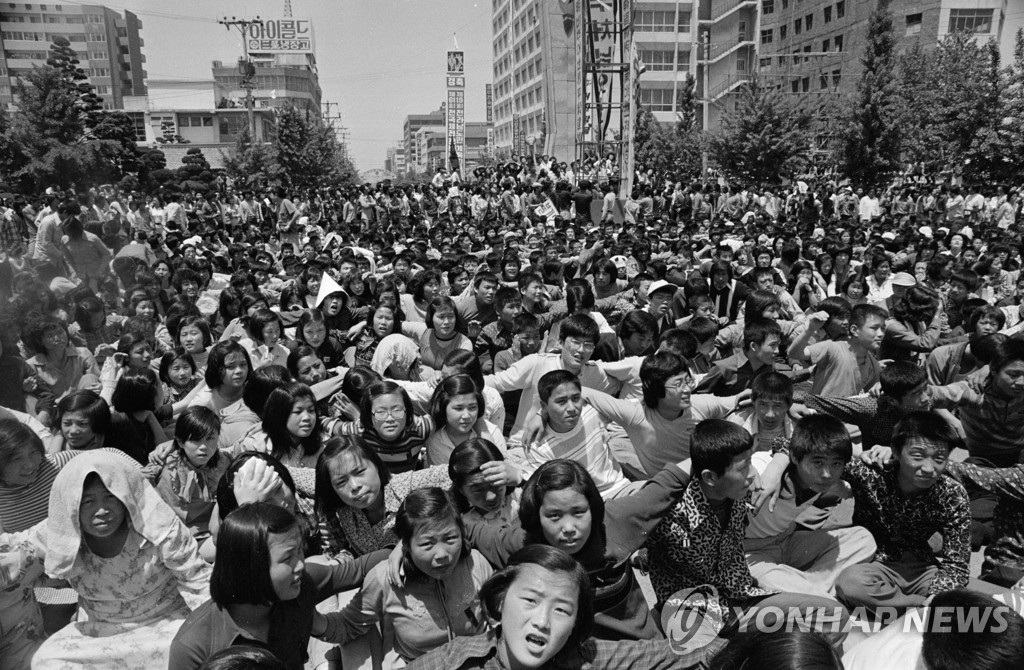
(725,49)
(275,85)
(108,44)
(394,161)
(666,35)
(431,151)
(411,139)
(534,60)
(814,50)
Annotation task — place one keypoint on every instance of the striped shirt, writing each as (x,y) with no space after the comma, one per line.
(25,506)
(587,444)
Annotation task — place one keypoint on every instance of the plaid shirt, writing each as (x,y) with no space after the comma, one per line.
(480,652)
(903,526)
(11,241)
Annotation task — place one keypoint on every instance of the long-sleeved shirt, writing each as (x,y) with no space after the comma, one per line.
(480,652)
(421,615)
(49,248)
(877,419)
(526,373)
(621,610)
(902,525)
(906,342)
(209,628)
(1007,548)
(691,548)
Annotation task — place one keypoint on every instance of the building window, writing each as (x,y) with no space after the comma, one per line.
(798,26)
(741,62)
(657,61)
(95,18)
(102,90)
(96,37)
(74,20)
(98,55)
(656,99)
(828,15)
(12,18)
(838,40)
(782,31)
(767,6)
(661,22)
(50,18)
(840,9)
(766,36)
(825,44)
(913,24)
(806,84)
(976,21)
(837,75)
(809,21)
(795,85)
(823,82)
(683,61)
(785,4)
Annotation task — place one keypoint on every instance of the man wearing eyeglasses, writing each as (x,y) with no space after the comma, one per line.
(578,337)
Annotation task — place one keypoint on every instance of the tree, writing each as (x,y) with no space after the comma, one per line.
(764,138)
(249,163)
(670,148)
(195,174)
(169,134)
(870,136)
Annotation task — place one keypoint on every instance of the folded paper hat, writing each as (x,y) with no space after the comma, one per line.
(327,287)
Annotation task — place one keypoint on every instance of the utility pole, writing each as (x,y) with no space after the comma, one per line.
(245,66)
(705,45)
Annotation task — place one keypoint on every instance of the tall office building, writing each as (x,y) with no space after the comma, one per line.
(415,142)
(534,60)
(109,46)
(813,50)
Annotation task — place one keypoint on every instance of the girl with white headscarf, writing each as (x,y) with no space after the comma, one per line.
(135,566)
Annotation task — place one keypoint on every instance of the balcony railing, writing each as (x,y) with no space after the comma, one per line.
(727,85)
(719,50)
(721,9)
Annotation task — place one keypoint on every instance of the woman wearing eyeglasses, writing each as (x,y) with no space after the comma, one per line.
(389,426)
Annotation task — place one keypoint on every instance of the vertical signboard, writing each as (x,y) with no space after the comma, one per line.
(455,111)
(517,136)
(629,54)
(490,103)
(581,100)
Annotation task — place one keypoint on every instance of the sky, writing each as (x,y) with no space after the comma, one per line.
(380,60)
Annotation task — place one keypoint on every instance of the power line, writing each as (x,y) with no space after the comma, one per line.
(144,12)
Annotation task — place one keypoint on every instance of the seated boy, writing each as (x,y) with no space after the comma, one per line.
(768,420)
(903,505)
(700,542)
(788,549)
(731,375)
(905,388)
(706,332)
(497,336)
(844,368)
(576,432)
(527,341)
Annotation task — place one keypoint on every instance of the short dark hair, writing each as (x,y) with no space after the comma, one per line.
(90,405)
(215,363)
(679,341)
(226,500)
(771,385)
(524,322)
(466,460)
(637,321)
(560,475)
(860,314)
(448,388)
(820,435)
(900,378)
(278,407)
(702,328)
(426,506)
(492,592)
(135,391)
(921,425)
(167,360)
(241,573)
(243,658)
(715,443)
(758,301)
(547,384)
(997,643)
(260,320)
(327,500)
(757,330)
(261,383)
(377,389)
(657,369)
(969,278)
(581,327)
(506,295)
